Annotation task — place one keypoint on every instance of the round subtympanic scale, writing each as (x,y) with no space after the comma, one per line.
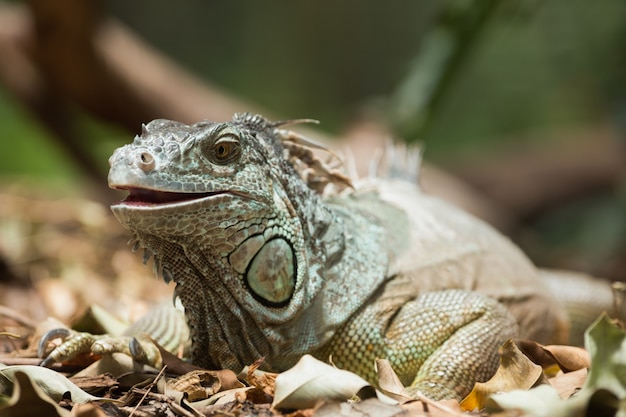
(271,274)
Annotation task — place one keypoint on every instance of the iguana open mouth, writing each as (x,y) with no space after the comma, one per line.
(145,196)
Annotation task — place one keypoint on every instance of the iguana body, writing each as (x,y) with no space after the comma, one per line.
(265,266)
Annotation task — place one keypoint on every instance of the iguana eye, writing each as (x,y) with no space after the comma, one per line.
(222,150)
(225,149)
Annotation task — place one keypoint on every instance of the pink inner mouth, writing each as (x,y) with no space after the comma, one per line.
(142,196)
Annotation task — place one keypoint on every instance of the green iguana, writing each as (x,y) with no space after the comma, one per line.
(275,254)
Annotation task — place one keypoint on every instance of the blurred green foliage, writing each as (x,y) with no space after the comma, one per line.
(29,153)
(534,67)
(26,149)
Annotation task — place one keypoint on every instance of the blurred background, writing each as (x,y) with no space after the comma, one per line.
(519,105)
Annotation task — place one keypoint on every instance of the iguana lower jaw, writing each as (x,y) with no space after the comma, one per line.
(163,213)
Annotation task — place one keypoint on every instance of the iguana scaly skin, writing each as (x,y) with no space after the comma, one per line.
(266,265)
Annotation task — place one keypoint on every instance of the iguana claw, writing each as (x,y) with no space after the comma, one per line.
(74,343)
(58,333)
(144,350)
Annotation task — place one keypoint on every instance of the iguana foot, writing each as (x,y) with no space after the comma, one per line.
(140,348)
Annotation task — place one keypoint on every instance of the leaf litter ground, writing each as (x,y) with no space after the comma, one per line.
(61,256)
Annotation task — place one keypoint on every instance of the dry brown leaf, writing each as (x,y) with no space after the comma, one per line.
(389,383)
(311,380)
(569,358)
(254,395)
(566,358)
(516,371)
(55,385)
(115,364)
(87,410)
(29,400)
(444,408)
(91,384)
(370,407)
(175,365)
(536,353)
(265,381)
(567,384)
(309,412)
(198,385)
(224,397)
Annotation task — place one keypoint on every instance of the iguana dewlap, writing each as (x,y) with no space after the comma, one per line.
(267,266)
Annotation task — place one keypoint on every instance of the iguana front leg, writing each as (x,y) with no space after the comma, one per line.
(164,324)
(439,343)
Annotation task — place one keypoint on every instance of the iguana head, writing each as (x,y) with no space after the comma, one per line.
(224,213)
(215,188)
(171,163)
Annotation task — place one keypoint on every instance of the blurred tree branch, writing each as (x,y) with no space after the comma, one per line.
(65,54)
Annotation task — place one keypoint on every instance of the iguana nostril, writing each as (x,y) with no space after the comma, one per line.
(146,161)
